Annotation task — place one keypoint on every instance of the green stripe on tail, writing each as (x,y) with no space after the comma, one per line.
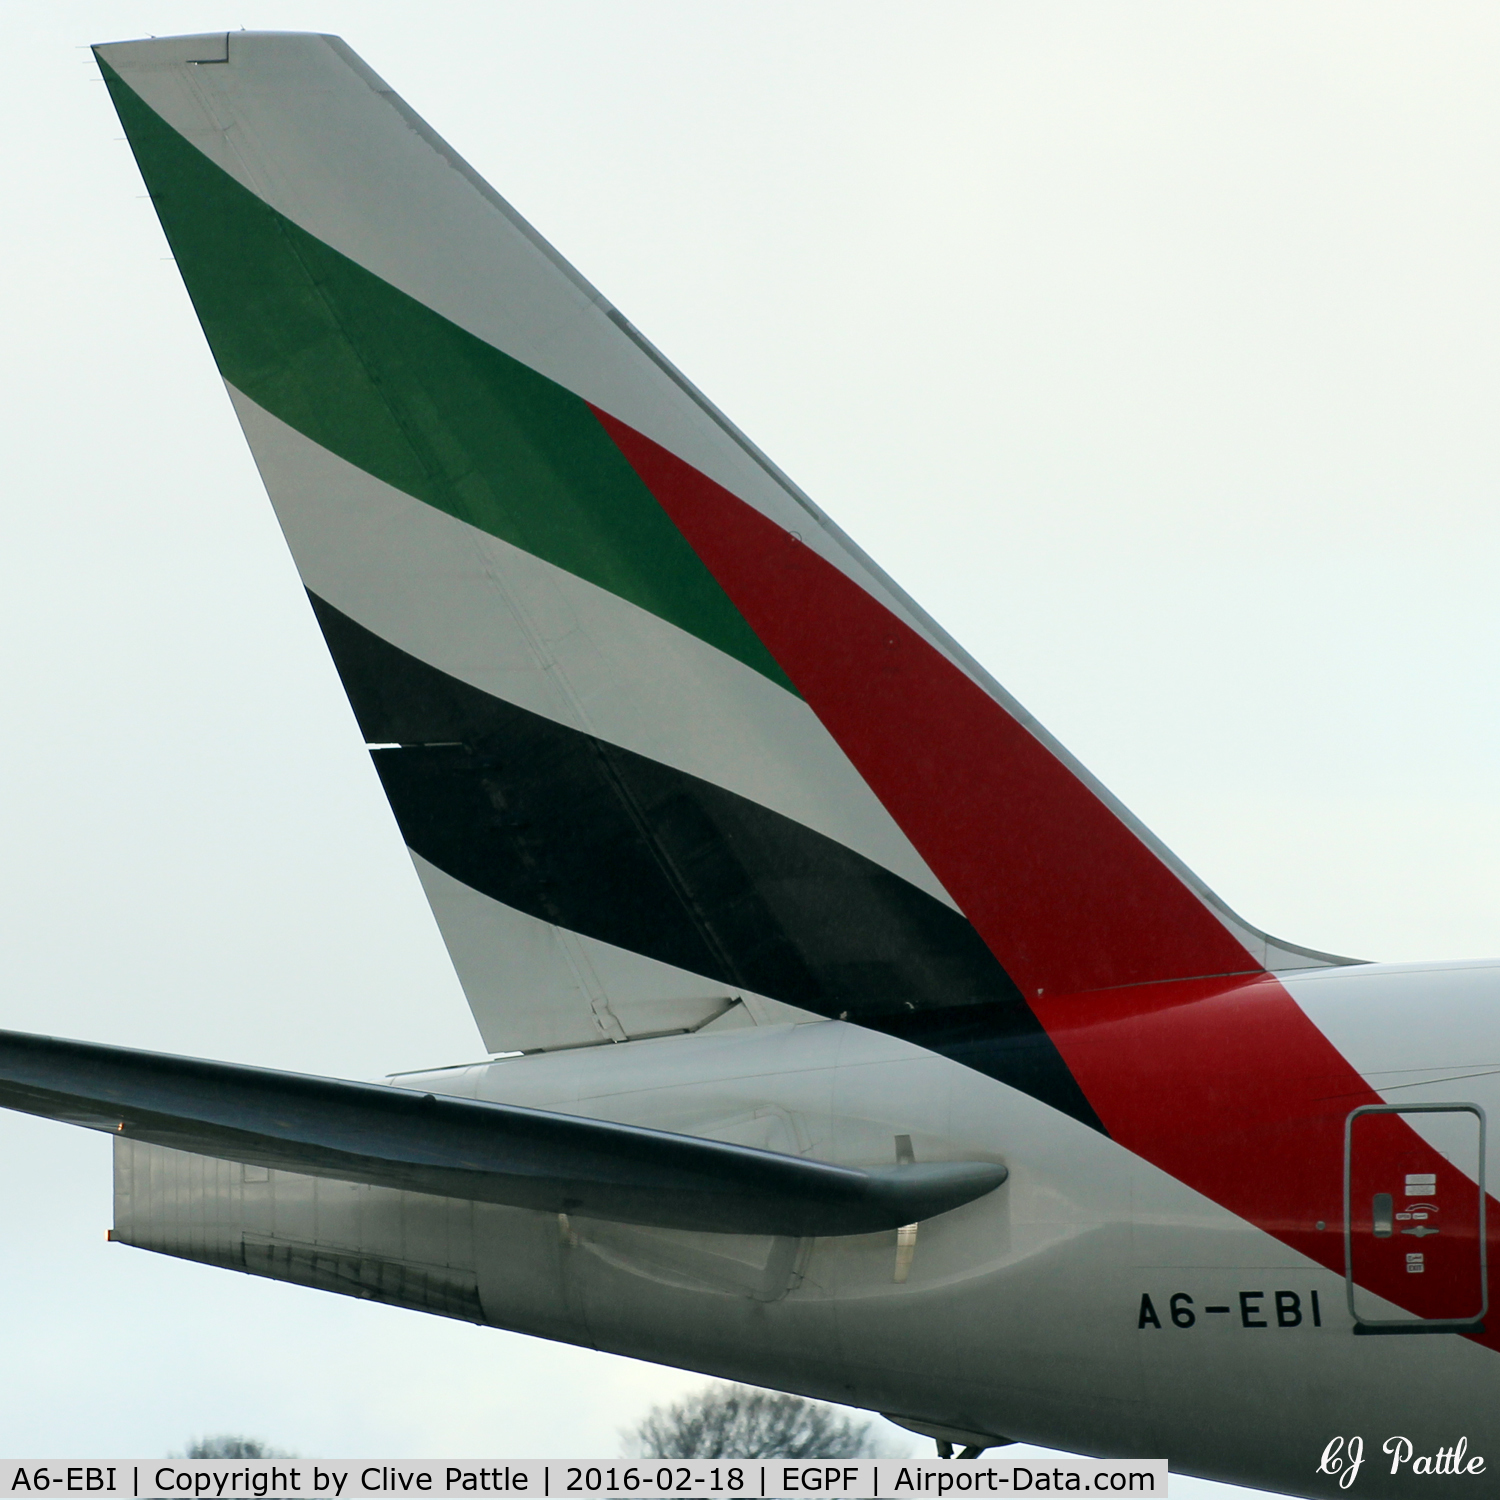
(394,388)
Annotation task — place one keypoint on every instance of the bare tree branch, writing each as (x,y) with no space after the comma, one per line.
(737,1421)
(230,1445)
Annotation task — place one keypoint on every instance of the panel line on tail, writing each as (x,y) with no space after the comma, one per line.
(603,841)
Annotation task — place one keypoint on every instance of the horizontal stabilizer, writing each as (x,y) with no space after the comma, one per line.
(464,1148)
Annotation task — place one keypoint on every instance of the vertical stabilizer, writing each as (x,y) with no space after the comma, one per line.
(659,737)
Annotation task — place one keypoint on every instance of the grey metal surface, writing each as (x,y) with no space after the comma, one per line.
(461,1148)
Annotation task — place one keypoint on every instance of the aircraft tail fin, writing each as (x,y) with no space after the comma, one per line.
(660,738)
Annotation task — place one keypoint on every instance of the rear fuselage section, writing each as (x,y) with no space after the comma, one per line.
(1096,1301)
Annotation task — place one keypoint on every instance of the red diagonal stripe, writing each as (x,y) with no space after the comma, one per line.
(1066,896)
(1222,1082)
(1231,1089)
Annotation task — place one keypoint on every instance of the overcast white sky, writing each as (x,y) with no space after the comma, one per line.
(1155,348)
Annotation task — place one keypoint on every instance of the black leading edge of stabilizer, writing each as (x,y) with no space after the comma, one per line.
(463,1148)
